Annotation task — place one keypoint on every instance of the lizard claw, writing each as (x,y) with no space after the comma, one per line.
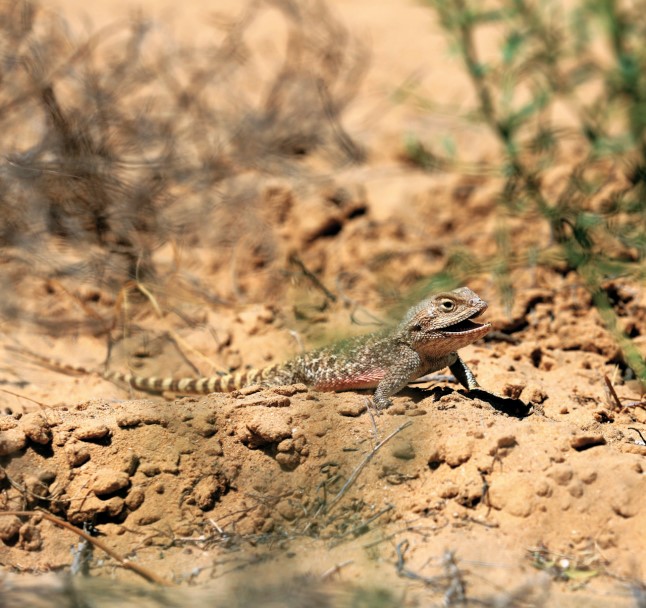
(381,403)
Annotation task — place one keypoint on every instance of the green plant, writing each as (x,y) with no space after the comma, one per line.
(562,81)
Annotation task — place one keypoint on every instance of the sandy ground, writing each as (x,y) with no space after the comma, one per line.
(243,499)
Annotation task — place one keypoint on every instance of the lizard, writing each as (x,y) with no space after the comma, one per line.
(426,340)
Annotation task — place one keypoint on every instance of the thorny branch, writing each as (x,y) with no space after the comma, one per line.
(103,167)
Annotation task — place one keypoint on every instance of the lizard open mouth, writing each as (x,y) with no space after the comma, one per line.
(466,325)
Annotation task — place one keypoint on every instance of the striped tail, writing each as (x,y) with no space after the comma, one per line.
(224,383)
(189,386)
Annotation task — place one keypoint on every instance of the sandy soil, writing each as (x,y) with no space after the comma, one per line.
(300,498)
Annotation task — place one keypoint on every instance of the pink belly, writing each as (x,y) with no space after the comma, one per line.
(362,380)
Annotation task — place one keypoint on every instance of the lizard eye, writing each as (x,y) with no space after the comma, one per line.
(447,305)
(417,327)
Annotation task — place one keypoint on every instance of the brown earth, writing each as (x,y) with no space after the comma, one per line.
(300,498)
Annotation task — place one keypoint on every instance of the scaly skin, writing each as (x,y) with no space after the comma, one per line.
(425,341)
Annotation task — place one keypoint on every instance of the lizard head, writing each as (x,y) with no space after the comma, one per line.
(444,322)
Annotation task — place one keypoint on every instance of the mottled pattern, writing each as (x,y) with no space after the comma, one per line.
(426,340)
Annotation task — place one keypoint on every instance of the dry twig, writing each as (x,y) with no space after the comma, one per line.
(142,571)
(612,393)
(363,463)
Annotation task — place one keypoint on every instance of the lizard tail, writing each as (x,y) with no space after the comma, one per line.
(188,386)
(53,364)
(224,383)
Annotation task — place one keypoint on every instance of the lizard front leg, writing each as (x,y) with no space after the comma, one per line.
(463,374)
(407,365)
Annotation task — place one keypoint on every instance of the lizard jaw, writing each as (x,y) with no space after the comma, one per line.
(468,326)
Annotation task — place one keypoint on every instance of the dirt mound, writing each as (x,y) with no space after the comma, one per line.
(198,479)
